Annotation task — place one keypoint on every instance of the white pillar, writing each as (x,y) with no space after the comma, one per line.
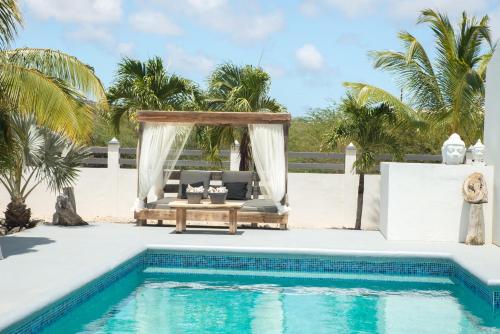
(114,154)
(350,190)
(114,172)
(234,156)
(492,135)
(350,159)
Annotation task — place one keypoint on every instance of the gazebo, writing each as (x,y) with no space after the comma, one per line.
(162,136)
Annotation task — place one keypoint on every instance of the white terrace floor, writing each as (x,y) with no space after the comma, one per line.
(47,262)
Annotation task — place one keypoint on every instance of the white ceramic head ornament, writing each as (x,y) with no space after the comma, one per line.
(453,150)
(478,151)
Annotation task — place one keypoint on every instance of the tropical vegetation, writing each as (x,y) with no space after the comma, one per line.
(239,89)
(36,155)
(50,100)
(47,98)
(447,91)
(53,86)
(373,129)
(148,86)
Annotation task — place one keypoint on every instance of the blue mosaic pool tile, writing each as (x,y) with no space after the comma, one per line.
(313,264)
(415,267)
(491,295)
(40,320)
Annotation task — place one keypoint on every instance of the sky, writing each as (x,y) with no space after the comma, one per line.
(309,47)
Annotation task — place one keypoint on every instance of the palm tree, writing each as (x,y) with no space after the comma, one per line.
(147,85)
(53,86)
(239,89)
(448,91)
(372,128)
(37,155)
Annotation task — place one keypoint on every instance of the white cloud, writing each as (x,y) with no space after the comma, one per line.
(255,27)
(350,8)
(275,71)
(101,36)
(398,9)
(90,33)
(154,22)
(309,7)
(354,7)
(410,9)
(80,11)
(495,23)
(310,58)
(125,48)
(242,20)
(185,61)
(243,27)
(203,5)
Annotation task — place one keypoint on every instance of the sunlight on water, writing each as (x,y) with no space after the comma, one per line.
(182,303)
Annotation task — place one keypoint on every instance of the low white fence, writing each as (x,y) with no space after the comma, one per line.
(317,199)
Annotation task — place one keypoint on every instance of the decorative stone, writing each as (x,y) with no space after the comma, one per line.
(475,193)
(478,151)
(474,189)
(453,150)
(65,214)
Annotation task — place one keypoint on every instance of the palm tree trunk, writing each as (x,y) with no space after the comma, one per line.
(17,214)
(245,151)
(359,209)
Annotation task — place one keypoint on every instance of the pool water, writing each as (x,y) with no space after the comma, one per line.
(146,301)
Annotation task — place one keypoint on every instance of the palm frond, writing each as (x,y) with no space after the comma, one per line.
(40,155)
(147,85)
(10,21)
(53,63)
(49,99)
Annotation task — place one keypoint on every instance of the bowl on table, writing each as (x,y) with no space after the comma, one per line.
(217,197)
(194,197)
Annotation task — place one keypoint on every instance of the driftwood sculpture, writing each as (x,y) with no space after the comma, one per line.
(66,210)
(475,193)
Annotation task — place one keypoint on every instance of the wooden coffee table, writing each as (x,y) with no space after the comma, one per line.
(181,207)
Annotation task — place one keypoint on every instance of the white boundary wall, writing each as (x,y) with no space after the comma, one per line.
(424,202)
(317,200)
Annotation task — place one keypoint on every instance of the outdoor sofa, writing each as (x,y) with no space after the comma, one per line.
(255,210)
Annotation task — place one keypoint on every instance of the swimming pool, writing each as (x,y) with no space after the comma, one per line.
(218,292)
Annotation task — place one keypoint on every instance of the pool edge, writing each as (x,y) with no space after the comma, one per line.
(28,314)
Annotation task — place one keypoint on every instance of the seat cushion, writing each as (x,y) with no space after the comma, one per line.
(240,177)
(236,190)
(259,205)
(162,203)
(194,176)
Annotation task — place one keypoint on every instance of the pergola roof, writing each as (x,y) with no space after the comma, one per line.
(214,117)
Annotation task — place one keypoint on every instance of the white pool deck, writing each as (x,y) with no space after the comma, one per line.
(45,263)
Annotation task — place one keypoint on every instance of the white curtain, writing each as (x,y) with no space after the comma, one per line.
(160,143)
(268,151)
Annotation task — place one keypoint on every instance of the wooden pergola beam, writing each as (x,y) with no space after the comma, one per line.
(214,117)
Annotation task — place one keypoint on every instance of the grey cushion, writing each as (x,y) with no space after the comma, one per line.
(236,176)
(193,176)
(259,205)
(162,203)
